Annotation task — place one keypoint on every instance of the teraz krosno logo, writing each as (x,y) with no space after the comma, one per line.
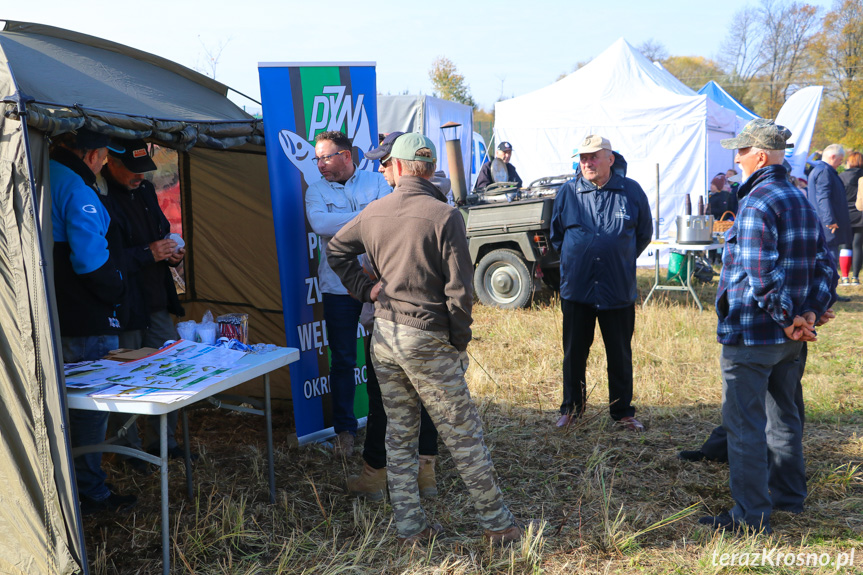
(333,109)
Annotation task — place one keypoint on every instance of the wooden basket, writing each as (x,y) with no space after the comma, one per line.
(722,225)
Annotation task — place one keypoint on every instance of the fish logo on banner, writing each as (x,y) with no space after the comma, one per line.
(331,110)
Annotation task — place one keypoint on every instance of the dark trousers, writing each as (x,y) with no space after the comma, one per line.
(374,449)
(342,314)
(716,446)
(617,327)
(857,251)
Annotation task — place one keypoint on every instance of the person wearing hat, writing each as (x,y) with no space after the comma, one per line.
(342,192)
(89,289)
(371,483)
(600,223)
(504,153)
(147,255)
(777,284)
(416,244)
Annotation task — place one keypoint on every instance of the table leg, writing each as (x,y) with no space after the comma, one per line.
(187,453)
(268,412)
(655,280)
(690,265)
(163,451)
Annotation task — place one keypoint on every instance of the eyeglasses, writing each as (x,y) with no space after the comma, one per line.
(328,158)
(386,163)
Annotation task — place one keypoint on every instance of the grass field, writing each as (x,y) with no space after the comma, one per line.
(610,501)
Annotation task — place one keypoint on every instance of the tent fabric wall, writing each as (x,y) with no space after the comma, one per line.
(231,245)
(649,116)
(61,81)
(38,508)
(426,114)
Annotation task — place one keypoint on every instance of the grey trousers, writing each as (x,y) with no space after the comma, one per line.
(765,432)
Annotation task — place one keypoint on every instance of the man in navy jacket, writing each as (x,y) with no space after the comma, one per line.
(600,224)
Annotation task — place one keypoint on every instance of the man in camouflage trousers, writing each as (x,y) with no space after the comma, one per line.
(416,245)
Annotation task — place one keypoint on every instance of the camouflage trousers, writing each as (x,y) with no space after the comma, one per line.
(414,365)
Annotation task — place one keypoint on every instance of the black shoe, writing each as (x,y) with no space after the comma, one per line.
(842,298)
(175,452)
(724,522)
(693,456)
(114,503)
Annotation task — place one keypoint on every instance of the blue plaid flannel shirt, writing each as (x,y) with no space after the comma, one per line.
(776,264)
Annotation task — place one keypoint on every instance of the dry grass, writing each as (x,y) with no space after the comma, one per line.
(611,501)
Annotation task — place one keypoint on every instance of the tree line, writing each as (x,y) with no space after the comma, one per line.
(770,50)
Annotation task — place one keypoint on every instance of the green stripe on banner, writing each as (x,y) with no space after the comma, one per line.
(314,78)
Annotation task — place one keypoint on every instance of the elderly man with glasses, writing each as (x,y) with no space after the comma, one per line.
(331,202)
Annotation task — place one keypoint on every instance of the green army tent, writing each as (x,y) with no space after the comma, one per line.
(54,81)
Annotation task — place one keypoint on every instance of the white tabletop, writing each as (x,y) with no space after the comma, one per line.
(672,244)
(254,365)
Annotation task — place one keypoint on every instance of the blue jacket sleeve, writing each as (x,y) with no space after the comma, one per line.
(644,231)
(822,198)
(484,177)
(557,226)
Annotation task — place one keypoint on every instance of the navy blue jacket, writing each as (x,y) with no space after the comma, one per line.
(599,233)
(827,194)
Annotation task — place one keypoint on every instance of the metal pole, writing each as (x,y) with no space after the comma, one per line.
(656,232)
(187,453)
(163,451)
(268,413)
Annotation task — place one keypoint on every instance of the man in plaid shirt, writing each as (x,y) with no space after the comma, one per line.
(777,284)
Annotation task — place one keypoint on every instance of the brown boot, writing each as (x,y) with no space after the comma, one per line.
(426,479)
(511,534)
(424,537)
(371,483)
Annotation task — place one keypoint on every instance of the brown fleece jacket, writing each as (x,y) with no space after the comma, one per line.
(416,244)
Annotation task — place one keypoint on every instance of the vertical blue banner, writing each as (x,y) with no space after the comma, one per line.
(300,101)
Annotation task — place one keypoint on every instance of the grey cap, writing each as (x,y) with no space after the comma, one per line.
(760,133)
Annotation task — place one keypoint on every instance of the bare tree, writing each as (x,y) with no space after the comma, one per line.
(653,50)
(766,52)
(209,61)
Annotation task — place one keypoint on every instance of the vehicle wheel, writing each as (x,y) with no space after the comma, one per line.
(551,278)
(502,279)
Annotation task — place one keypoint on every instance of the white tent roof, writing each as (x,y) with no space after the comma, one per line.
(649,116)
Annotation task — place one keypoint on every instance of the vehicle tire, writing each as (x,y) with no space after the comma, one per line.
(502,279)
(551,278)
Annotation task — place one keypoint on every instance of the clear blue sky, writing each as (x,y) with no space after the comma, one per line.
(504,48)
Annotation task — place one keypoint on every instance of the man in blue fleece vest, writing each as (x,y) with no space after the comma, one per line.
(89,288)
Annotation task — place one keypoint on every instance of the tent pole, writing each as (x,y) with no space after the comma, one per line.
(21,100)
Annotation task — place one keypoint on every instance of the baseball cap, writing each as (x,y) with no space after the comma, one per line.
(406,146)
(504,147)
(136,157)
(592,143)
(87,139)
(385,147)
(760,133)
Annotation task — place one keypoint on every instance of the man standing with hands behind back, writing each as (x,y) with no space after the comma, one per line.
(778,279)
(599,224)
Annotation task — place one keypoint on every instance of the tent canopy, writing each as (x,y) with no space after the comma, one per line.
(716,93)
(426,114)
(58,81)
(649,116)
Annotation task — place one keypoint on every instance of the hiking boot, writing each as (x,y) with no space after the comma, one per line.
(724,522)
(371,483)
(343,444)
(114,503)
(176,452)
(511,534)
(426,478)
(427,535)
(566,420)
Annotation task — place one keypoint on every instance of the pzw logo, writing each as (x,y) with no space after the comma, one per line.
(331,110)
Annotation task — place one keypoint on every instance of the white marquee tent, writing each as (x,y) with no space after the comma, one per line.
(649,116)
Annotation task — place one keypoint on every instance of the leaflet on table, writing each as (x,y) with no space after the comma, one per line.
(170,374)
